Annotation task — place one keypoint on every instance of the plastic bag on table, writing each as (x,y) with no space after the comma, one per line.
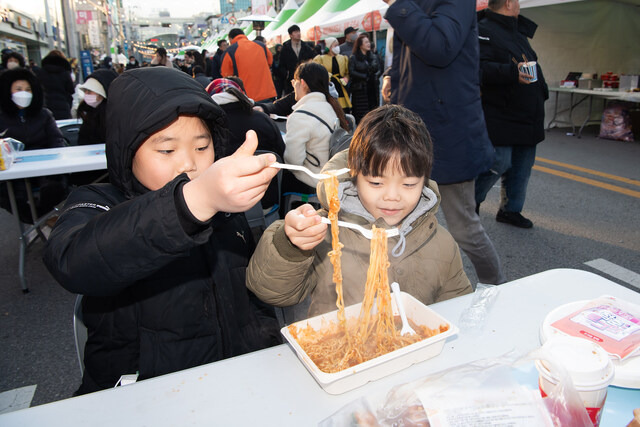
(474,317)
(616,123)
(9,148)
(484,392)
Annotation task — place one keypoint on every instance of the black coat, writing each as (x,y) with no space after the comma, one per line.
(289,61)
(55,76)
(94,122)
(364,70)
(163,291)
(514,112)
(216,63)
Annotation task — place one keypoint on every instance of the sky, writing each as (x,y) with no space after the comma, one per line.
(142,8)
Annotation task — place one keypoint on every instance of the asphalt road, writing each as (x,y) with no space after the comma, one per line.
(575,221)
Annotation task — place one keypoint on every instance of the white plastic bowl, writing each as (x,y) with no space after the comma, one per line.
(387,364)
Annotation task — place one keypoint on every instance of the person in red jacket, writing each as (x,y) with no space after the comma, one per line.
(251,61)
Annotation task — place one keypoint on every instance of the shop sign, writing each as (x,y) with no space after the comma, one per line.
(21,22)
(83,16)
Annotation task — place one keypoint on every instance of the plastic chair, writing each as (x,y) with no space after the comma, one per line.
(70,129)
(79,332)
(260,216)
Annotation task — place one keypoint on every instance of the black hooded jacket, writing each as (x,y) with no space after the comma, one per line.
(34,125)
(94,120)
(163,291)
(55,76)
(514,112)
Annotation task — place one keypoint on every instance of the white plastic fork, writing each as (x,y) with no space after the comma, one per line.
(307,171)
(366,233)
(406,329)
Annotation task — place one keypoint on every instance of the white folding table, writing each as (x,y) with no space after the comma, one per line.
(46,162)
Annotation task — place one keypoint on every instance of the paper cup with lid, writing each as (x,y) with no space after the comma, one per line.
(588,365)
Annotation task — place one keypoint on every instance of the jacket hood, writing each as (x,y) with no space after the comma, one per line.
(142,102)
(354,211)
(55,64)
(6,80)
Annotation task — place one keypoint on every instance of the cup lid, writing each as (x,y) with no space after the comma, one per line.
(586,362)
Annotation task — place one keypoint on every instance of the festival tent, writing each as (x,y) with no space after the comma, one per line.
(365,15)
(308,8)
(287,10)
(311,29)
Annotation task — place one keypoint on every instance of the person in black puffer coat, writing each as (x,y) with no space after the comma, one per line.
(365,69)
(513,105)
(34,126)
(93,108)
(55,76)
(158,254)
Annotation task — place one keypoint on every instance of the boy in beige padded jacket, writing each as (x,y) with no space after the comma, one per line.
(390,160)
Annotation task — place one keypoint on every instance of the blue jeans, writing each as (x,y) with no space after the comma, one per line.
(513,164)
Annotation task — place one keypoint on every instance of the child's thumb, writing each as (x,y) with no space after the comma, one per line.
(249,145)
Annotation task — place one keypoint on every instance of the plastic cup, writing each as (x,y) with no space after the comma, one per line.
(589,366)
(531,69)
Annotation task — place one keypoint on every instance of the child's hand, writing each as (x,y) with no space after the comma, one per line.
(232,184)
(303,227)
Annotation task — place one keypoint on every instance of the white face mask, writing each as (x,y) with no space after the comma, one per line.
(11,65)
(336,50)
(132,62)
(22,99)
(92,100)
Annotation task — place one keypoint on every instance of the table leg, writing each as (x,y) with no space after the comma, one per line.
(23,243)
(588,118)
(34,214)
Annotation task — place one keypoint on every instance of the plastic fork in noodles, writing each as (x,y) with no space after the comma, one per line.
(307,171)
(365,232)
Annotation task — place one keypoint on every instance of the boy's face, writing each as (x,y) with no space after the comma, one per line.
(185,146)
(392,196)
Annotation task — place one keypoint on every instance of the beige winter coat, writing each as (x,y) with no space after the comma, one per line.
(429,266)
(307,139)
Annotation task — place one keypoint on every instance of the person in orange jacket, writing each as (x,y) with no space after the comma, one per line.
(251,61)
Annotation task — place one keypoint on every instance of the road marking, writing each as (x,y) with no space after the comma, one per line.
(589,181)
(589,171)
(614,270)
(18,398)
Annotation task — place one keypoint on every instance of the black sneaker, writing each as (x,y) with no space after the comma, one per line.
(513,218)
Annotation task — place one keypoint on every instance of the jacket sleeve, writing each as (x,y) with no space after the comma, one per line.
(495,66)
(226,67)
(436,38)
(456,281)
(352,69)
(99,250)
(279,272)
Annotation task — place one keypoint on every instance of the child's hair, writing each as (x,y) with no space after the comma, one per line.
(391,133)
(317,79)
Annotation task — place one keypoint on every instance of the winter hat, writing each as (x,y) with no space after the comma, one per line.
(94,86)
(220,85)
(329,41)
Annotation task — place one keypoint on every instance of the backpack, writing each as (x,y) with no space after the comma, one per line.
(340,138)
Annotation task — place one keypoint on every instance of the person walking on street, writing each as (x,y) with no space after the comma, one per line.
(350,37)
(435,73)
(294,52)
(365,68)
(338,67)
(251,62)
(216,61)
(513,103)
(55,77)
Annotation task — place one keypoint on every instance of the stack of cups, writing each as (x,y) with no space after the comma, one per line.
(531,69)
(589,367)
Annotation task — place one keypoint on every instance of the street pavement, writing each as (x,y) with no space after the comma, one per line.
(576,221)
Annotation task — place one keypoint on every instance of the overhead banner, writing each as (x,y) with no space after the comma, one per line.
(260,7)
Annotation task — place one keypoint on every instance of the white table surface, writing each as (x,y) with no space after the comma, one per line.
(611,94)
(272,388)
(55,161)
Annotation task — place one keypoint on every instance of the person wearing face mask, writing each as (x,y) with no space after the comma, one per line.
(350,37)
(92,110)
(23,117)
(133,63)
(338,67)
(12,60)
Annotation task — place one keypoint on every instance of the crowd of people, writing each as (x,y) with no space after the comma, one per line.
(165,241)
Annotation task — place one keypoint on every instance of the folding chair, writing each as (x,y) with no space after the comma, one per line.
(70,129)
